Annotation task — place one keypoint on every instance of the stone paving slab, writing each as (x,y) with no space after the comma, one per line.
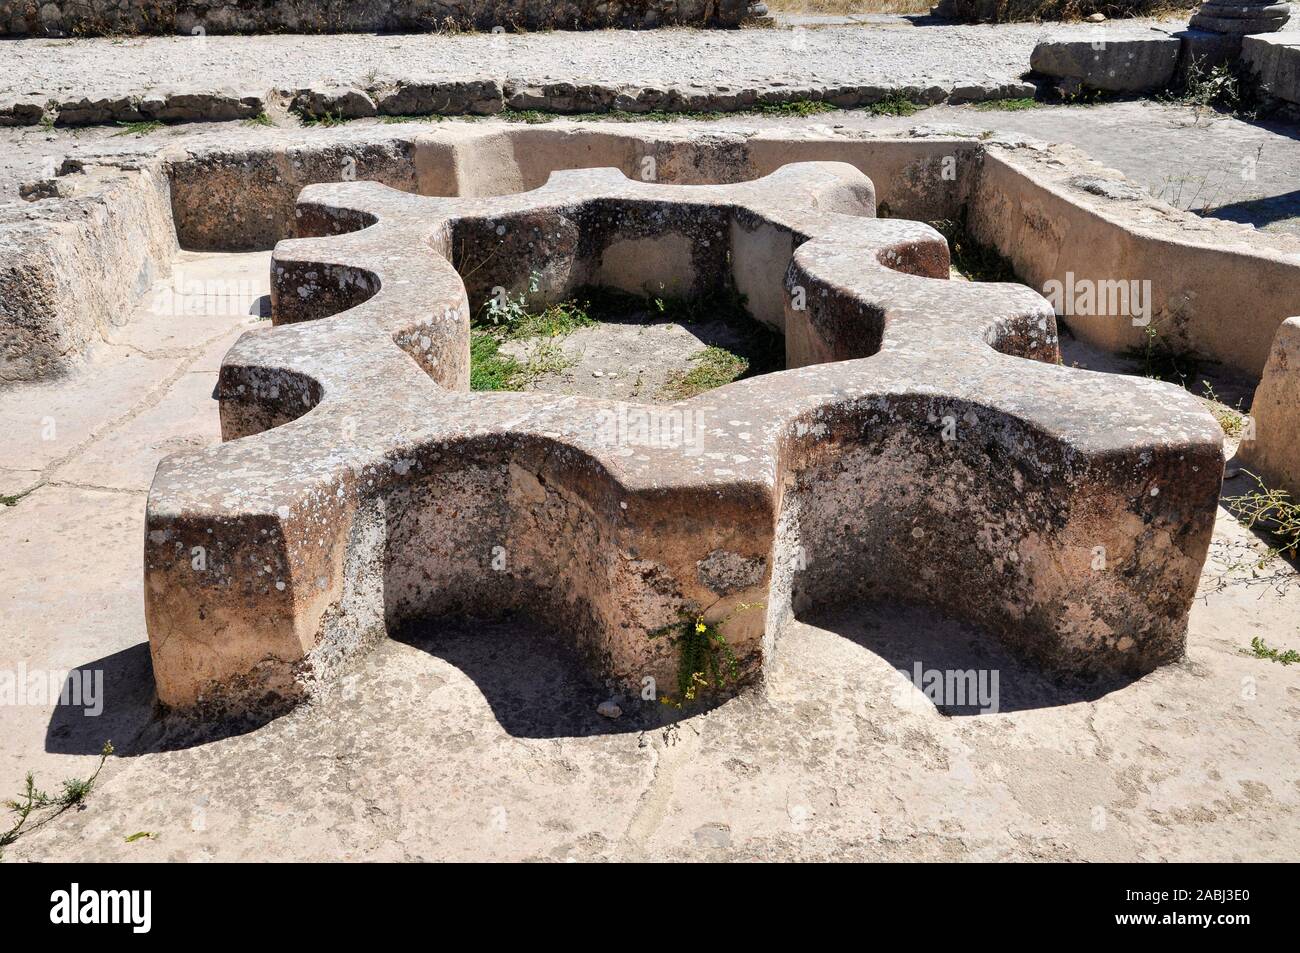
(45,425)
(223,77)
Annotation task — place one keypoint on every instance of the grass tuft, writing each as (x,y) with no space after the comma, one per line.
(13,499)
(530,116)
(1007,105)
(488,368)
(510,319)
(142,128)
(326,120)
(895,104)
(798,108)
(394,120)
(714,366)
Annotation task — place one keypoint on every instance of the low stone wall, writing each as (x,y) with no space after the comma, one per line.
(1274,58)
(1028,11)
(112,17)
(69,277)
(1271,447)
(1058,217)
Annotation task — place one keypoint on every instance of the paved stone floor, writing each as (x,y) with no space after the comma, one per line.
(889,52)
(1198,160)
(482,741)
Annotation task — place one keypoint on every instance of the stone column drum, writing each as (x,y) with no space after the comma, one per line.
(1241,17)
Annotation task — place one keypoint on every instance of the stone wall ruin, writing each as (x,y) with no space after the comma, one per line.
(118,17)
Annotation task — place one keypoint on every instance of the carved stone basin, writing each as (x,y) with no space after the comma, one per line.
(923,446)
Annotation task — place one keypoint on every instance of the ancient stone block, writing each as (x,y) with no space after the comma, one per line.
(1113,61)
(1274,423)
(1275,60)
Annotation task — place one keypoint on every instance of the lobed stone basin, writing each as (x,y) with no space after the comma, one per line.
(924,445)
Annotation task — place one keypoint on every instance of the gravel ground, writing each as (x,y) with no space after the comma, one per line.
(937,55)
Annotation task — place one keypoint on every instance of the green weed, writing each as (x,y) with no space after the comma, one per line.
(33,801)
(1262,650)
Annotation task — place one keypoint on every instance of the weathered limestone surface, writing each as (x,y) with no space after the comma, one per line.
(67,277)
(560,70)
(1274,454)
(190,105)
(1131,62)
(1049,209)
(1058,217)
(1275,60)
(467,719)
(116,17)
(924,447)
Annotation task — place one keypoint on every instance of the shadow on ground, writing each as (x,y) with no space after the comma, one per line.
(1259,212)
(128,706)
(536,685)
(131,718)
(908,637)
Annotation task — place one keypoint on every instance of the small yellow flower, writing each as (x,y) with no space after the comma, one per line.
(700,627)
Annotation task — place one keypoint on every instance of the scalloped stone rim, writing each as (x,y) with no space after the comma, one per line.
(924,446)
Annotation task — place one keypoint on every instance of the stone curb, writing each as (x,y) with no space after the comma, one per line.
(468,97)
(93,110)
